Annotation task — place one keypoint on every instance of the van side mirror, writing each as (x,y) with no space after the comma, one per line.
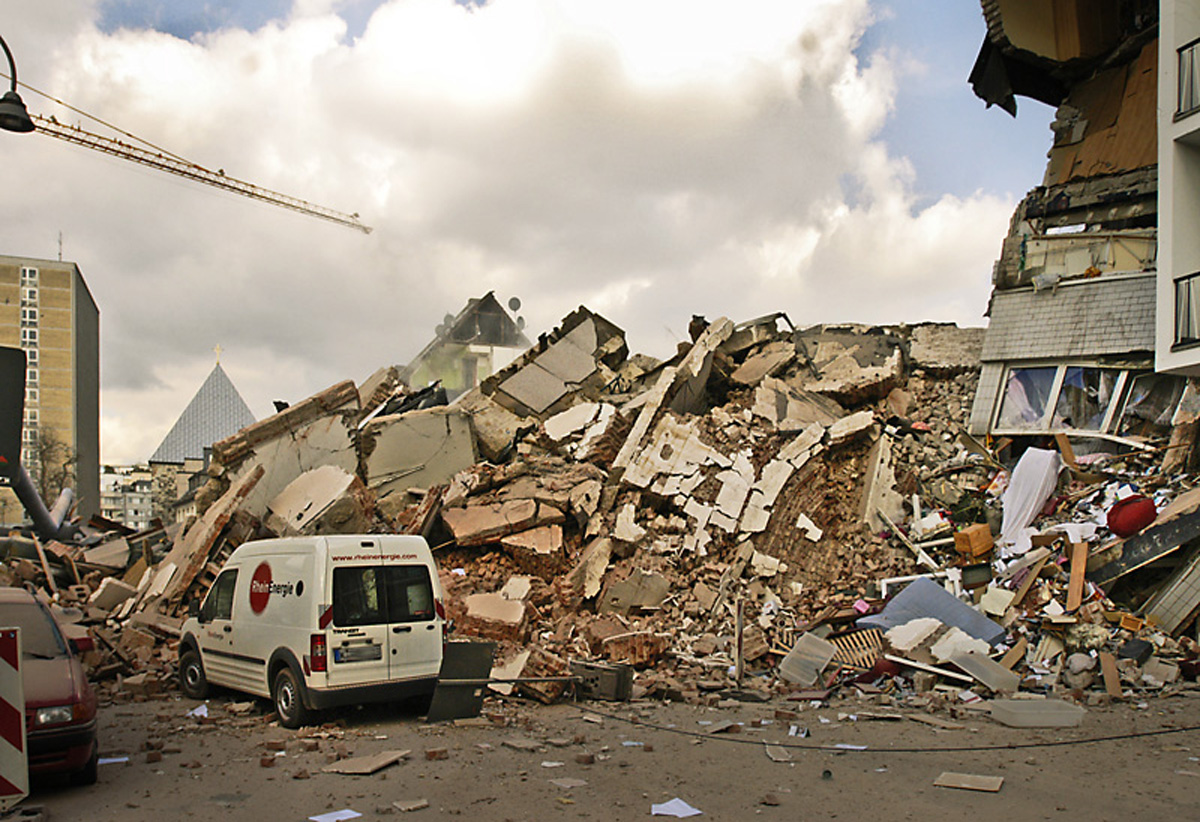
(193,608)
(82,644)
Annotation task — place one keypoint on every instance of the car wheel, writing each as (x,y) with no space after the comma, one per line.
(88,774)
(192,680)
(289,703)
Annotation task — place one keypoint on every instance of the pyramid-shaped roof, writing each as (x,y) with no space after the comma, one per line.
(216,411)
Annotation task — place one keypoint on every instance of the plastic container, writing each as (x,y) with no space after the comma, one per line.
(1036,713)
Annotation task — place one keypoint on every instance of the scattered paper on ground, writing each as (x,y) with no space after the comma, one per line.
(675,807)
(336,816)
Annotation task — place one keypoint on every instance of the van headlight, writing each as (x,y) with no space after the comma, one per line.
(55,715)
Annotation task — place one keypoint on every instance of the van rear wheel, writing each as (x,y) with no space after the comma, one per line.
(289,703)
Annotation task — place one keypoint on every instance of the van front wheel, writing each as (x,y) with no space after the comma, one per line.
(289,705)
(192,681)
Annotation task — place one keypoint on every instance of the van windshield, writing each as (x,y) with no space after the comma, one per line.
(381,594)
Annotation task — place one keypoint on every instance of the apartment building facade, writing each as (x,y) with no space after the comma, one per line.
(47,310)
(1178,293)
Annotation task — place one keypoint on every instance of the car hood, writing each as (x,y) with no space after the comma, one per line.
(55,681)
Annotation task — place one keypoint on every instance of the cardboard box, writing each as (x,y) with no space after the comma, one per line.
(974,540)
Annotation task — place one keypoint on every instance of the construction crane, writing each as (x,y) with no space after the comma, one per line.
(191,171)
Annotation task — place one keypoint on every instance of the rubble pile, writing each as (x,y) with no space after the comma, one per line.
(750,511)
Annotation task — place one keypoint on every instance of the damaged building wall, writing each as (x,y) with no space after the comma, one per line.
(1073,313)
(1057,29)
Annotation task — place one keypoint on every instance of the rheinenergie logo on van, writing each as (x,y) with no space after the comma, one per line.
(262,586)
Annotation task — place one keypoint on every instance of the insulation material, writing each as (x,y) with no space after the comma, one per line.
(1032,482)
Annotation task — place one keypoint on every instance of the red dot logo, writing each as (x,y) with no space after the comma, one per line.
(260,588)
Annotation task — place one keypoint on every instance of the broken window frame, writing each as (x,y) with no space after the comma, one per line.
(1188,79)
(1111,418)
(1187,311)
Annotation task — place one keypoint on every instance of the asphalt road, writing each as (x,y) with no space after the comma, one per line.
(612,761)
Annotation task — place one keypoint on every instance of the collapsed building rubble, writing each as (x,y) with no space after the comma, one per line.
(771,509)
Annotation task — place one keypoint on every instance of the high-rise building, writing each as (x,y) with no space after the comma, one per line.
(47,310)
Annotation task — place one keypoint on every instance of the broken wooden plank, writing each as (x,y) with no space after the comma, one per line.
(1154,543)
(365,765)
(1027,583)
(969,781)
(936,722)
(1064,448)
(45,565)
(1112,677)
(933,669)
(1079,555)
(1015,654)
(922,557)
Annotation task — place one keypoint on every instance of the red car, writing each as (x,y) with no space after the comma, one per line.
(60,706)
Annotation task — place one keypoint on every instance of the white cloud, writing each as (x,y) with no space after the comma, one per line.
(649,160)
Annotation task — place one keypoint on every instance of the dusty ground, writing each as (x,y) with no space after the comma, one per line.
(212,770)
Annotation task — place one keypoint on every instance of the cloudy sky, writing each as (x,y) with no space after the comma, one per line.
(650,159)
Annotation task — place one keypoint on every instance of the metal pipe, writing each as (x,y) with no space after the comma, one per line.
(44,522)
(518,681)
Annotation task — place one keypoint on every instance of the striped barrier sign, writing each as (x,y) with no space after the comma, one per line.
(14,765)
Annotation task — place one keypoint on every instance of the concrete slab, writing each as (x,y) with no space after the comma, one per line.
(111,593)
(547,540)
(419,449)
(496,428)
(517,588)
(588,574)
(807,442)
(534,388)
(626,529)
(493,616)
(567,361)
(879,488)
(574,419)
(481,523)
(769,360)
(851,427)
(675,448)
(945,349)
(640,590)
(326,500)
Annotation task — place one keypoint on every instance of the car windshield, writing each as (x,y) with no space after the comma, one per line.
(39,636)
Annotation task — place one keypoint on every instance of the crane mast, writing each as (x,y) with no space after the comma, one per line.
(190,171)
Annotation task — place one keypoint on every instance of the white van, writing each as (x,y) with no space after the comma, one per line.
(315,622)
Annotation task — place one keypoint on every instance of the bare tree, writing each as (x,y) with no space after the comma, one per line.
(53,467)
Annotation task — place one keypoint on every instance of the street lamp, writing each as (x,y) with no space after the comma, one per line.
(13,116)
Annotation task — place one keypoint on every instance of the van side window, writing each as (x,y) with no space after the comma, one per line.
(356,597)
(409,593)
(219,602)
